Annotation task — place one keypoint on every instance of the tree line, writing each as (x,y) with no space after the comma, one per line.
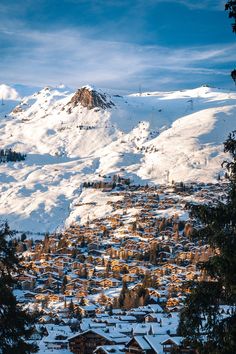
(9,155)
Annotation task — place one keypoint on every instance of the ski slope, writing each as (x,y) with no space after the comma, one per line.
(155,137)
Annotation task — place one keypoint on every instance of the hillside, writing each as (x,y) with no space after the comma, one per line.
(74,137)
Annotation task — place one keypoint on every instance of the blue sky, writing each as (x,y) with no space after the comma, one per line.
(119,44)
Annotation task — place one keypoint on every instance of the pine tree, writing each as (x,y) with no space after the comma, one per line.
(230,6)
(102,299)
(201,315)
(71,309)
(153,253)
(16,325)
(64,283)
(78,313)
(110,309)
(123,294)
(46,243)
(82,301)
(107,269)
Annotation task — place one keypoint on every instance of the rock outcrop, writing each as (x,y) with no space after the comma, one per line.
(90,99)
(20,108)
(17,109)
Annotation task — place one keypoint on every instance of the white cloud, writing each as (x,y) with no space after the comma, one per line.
(200,4)
(8,93)
(70,56)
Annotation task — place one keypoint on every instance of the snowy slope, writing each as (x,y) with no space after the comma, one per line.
(154,137)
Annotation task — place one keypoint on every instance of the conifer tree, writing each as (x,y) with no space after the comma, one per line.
(64,283)
(230,6)
(82,301)
(16,325)
(123,294)
(71,309)
(201,320)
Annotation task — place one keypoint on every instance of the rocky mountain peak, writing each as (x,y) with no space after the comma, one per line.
(90,99)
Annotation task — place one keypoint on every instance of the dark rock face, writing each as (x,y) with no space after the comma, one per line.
(17,109)
(20,108)
(90,99)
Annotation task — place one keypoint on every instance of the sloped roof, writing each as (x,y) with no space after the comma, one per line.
(142,342)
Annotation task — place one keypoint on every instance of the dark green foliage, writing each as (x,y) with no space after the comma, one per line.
(230,6)
(82,301)
(71,309)
(233,75)
(10,155)
(153,253)
(201,315)
(23,237)
(115,182)
(16,325)
(78,313)
(124,292)
(64,283)
(46,243)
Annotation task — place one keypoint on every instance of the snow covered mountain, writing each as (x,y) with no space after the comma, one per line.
(70,138)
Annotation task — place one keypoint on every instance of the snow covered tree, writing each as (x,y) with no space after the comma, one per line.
(201,320)
(16,325)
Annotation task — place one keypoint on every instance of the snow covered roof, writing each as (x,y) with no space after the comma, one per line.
(142,342)
(155,341)
(176,340)
(114,349)
(113,335)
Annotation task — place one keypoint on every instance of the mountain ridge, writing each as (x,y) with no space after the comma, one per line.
(153,137)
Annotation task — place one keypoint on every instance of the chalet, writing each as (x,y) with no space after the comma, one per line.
(152,308)
(36,335)
(138,345)
(152,344)
(128,318)
(171,343)
(27,281)
(107,349)
(29,295)
(152,317)
(57,336)
(56,340)
(107,283)
(87,342)
(88,311)
(139,315)
(129,277)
